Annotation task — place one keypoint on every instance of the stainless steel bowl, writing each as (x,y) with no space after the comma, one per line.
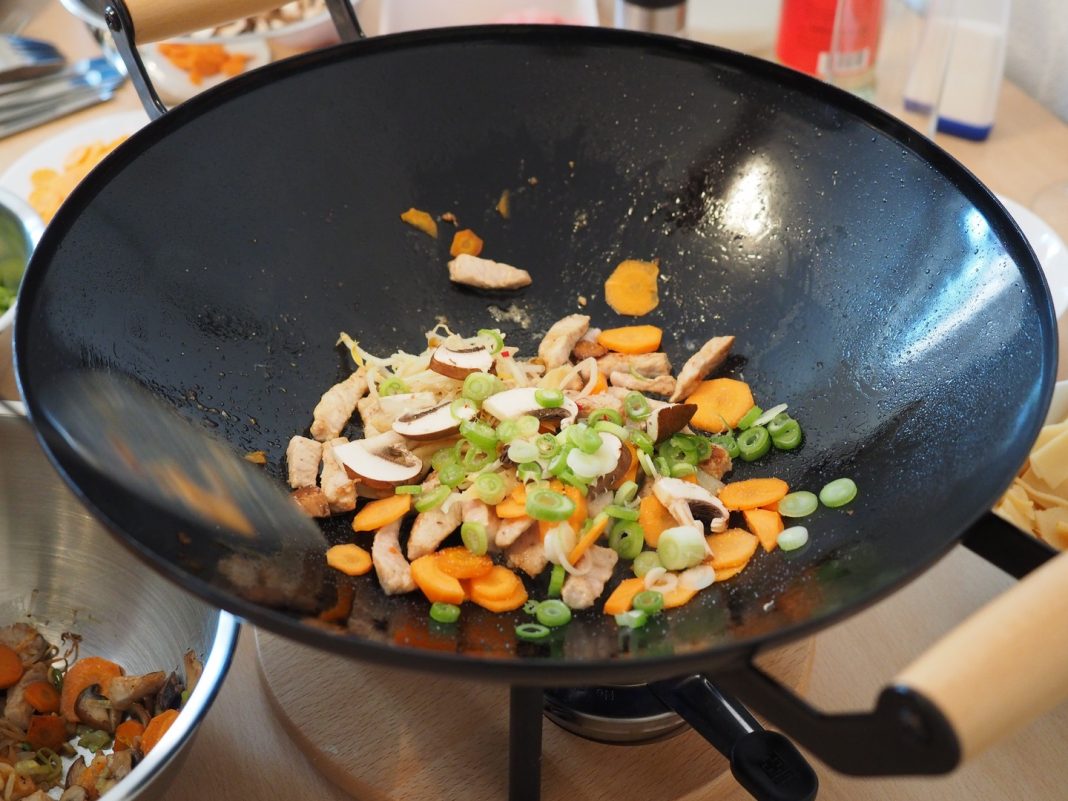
(20,230)
(61,571)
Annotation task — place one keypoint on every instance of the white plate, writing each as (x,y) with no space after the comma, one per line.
(173,84)
(55,151)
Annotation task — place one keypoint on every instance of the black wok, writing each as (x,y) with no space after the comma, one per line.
(871,282)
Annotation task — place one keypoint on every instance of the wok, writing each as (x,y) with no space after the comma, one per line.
(871,282)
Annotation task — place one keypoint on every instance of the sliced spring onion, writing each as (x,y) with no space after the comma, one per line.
(433,499)
(393,386)
(528,471)
(770,414)
(642,441)
(788,436)
(451,475)
(584,438)
(463,409)
(790,539)
(558,464)
(479,386)
(681,547)
(528,425)
(568,477)
(532,632)
(703,445)
(556,581)
(697,577)
(408,489)
(547,446)
(680,469)
(727,442)
(490,488)
(646,463)
(644,562)
(627,539)
(443,457)
(611,415)
(663,466)
(626,493)
(636,406)
(634,619)
(660,580)
(522,451)
(553,613)
(648,601)
(545,504)
(476,458)
(444,613)
(778,422)
(479,434)
(604,426)
(753,443)
(749,418)
(495,338)
(838,492)
(798,504)
(507,430)
(474,537)
(549,398)
(530,607)
(621,512)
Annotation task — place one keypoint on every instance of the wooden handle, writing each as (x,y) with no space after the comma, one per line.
(161,19)
(1005,665)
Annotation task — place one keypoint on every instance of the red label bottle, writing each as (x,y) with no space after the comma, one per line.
(809,42)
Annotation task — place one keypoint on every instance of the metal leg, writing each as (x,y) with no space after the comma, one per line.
(524,744)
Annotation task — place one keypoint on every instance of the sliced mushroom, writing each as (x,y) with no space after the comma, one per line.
(609,480)
(513,403)
(436,422)
(605,461)
(668,419)
(74,792)
(74,773)
(380,462)
(96,711)
(124,691)
(120,763)
(461,362)
(689,503)
(169,695)
(140,714)
(193,669)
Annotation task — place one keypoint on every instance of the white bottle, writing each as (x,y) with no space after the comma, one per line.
(959,65)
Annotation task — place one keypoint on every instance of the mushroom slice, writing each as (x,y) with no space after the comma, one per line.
(123,691)
(193,669)
(170,694)
(96,711)
(74,772)
(120,763)
(461,362)
(437,422)
(689,503)
(604,461)
(609,480)
(513,403)
(668,419)
(380,462)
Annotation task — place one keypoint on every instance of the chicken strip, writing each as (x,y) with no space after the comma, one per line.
(339,489)
(336,406)
(527,553)
(302,461)
(17,709)
(25,641)
(661,385)
(711,355)
(556,345)
(590,403)
(474,510)
(486,274)
(718,464)
(394,572)
(312,501)
(580,592)
(586,349)
(431,528)
(647,364)
(512,529)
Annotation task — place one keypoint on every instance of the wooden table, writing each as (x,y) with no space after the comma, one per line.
(243,754)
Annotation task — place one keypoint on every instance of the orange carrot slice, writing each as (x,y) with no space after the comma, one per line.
(436,584)
(380,513)
(729,572)
(721,403)
(84,673)
(460,563)
(156,728)
(766,525)
(732,548)
(623,596)
(46,731)
(515,505)
(512,602)
(465,241)
(631,339)
(127,733)
(753,493)
(42,696)
(631,288)
(11,669)
(422,221)
(654,519)
(600,523)
(498,584)
(678,596)
(352,560)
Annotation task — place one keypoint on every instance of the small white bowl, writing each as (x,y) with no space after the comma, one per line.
(16,214)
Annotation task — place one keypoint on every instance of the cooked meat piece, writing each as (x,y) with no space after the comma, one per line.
(587,348)
(394,572)
(711,355)
(25,641)
(510,530)
(486,274)
(124,691)
(661,385)
(580,592)
(336,406)
(472,509)
(312,500)
(302,461)
(37,795)
(17,709)
(718,464)
(589,403)
(527,553)
(379,414)
(556,345)
(597,502)
(339,489)
(431,528)
(647,364)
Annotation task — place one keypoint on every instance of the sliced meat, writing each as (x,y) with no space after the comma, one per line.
(302,461)
(472,509)
(718,464)
(336,406)
(512,529)
(25,641)
(556,345)
(661,385)
(588,403)
(647,364)
(339,489)
(486,274)
(431,528)
(711,355)
(394,572)
(586,349)
(580,592)
(527,553)
(379,414)
(312,500)
(17,709)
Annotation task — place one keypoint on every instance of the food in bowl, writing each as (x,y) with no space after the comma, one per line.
(1037,500)
(200,61)
(51,187)
(79,724)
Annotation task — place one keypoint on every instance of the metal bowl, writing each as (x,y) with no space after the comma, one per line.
(20,229)
(60,571)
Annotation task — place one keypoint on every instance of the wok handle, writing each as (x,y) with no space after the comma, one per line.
(1003,666)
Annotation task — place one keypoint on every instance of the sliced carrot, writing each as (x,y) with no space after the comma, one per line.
(127,734)
(515,505)
(631,288)
(678,596)
(732,548)
(766,525)
(10,667)
(436,584)
(623,596)
(93,773)
(600,385)
(654,518)
(465,241)
(156,728)
(499,583)
(581,512)
(690,477)
(632,472)
(631,339)
(84,673)
(42,696)
(421,220)
(352,560)
(512,602)
(753,493)
(729,572)
(460,563)
(342,607)
(46,731)
(721,403)
(597,528)
(381,513)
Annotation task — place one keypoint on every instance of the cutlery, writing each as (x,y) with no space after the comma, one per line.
(22,58)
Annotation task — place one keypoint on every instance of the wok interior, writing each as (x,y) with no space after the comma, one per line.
(871,284)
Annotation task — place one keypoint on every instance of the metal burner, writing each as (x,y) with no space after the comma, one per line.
(617,715)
